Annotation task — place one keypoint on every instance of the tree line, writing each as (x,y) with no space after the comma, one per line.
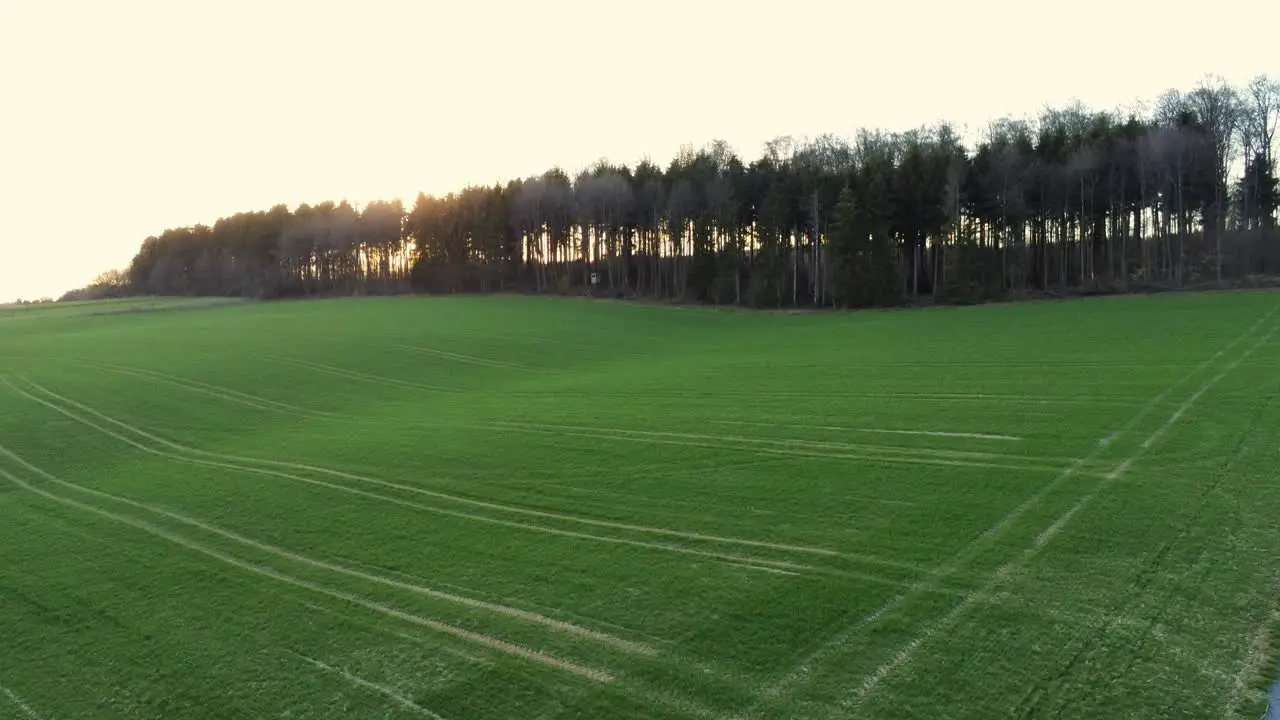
(1075,200)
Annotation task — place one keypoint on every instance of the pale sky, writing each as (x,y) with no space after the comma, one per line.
(119,119)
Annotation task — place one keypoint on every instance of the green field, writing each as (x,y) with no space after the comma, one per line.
(506,507)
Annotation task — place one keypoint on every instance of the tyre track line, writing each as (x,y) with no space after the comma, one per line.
(358,681)
(679,549)
(461,633)
(212,390)
(804,549)
(19,703)
(841,637)
(756,449)
(508,611)
(904,655)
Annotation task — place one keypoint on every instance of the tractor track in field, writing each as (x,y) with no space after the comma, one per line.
(759,568)
(361,377)
(804,549)
(659,697)
(649,394)
(21,704)
(736,443)
(819,445)
(466,359)
(231,462)
(549,610)
(217,391)
(1090,640)
(432,593)
(362,623)
(471,636)
(836,641)
(876,431)
(905,654)
(360,682)
(884,454)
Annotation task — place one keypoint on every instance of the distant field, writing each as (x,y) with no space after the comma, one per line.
(505,507)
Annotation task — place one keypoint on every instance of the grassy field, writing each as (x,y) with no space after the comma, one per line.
(501,507)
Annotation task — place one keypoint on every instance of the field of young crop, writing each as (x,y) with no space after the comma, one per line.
(507,507)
